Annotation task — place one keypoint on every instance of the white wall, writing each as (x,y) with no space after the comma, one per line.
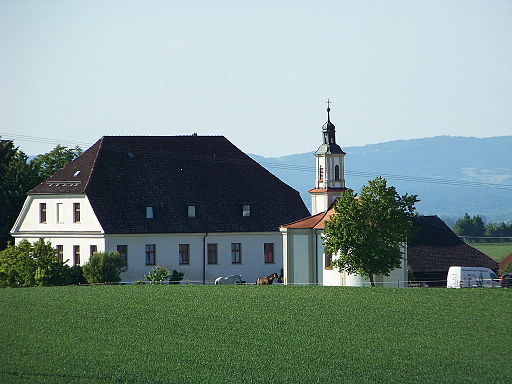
(299,253)
(251,267)
(397,277)
(28,220)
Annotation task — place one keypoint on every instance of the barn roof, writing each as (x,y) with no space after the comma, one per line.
(436,247)
(122,175)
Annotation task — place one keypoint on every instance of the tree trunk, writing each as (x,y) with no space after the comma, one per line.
(371,280)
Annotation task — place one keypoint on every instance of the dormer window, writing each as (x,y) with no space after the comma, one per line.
(246,210)
(191,211)
(76,173)
(149,213)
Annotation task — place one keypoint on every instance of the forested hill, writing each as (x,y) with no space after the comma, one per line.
(476,160)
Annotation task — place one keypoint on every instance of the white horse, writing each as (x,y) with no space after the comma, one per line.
(232,279)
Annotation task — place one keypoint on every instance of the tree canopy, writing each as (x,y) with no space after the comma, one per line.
(47,164)
(368,230)
(17,177)
(27,264)
(469,226)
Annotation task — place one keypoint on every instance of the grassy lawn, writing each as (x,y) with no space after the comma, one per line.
(496,251)
(254,334)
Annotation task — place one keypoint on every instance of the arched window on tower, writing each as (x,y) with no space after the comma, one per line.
(336,172)
(321,173)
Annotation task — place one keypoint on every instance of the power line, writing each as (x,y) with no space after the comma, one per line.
(267,164)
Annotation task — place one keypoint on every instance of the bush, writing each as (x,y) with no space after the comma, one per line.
(176,277)
(104,267)
(26,265)
(76,275)
(158,275)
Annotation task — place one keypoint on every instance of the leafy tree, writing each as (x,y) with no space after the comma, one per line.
(16,179)
(367,231)
(498,230)
(49,163)
(158,275)
(469,226)
(27,264)
(17,268)
(104,267)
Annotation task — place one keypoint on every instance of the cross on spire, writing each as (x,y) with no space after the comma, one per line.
(328,102)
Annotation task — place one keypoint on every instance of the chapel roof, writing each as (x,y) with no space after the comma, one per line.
(312,222)
(122,175)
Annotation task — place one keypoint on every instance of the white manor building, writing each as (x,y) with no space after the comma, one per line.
(304,259)
(192,203)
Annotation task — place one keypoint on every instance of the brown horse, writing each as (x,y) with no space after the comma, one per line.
(267,280)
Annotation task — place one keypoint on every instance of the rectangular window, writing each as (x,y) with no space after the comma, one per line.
(60,252)
(191,211)
(76,212)
(321,173)
(246,210)
(268,250)
(184,254)
(212,254)
(60,213)
(328,260)
(150,254)
(94,249)
(236,253)
(123,253)
(76,255)
(42,213)
(149,213)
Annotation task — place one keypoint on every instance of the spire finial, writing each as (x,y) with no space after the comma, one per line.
(328,102)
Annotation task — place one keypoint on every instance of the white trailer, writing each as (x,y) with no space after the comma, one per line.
(471,277)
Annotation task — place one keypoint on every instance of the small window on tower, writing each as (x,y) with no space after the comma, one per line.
(246,210)
(321,173)
(336,172)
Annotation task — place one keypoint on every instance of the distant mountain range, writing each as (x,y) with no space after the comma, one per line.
(450,175)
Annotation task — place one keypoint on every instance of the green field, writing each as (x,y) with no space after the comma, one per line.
(254,334)
(496,251)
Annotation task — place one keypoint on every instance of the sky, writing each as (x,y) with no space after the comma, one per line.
(257,72)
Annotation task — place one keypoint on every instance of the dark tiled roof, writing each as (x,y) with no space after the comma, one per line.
(121,175)
(67,180)
(435,248)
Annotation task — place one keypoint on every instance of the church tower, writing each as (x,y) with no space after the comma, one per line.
(330,179)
